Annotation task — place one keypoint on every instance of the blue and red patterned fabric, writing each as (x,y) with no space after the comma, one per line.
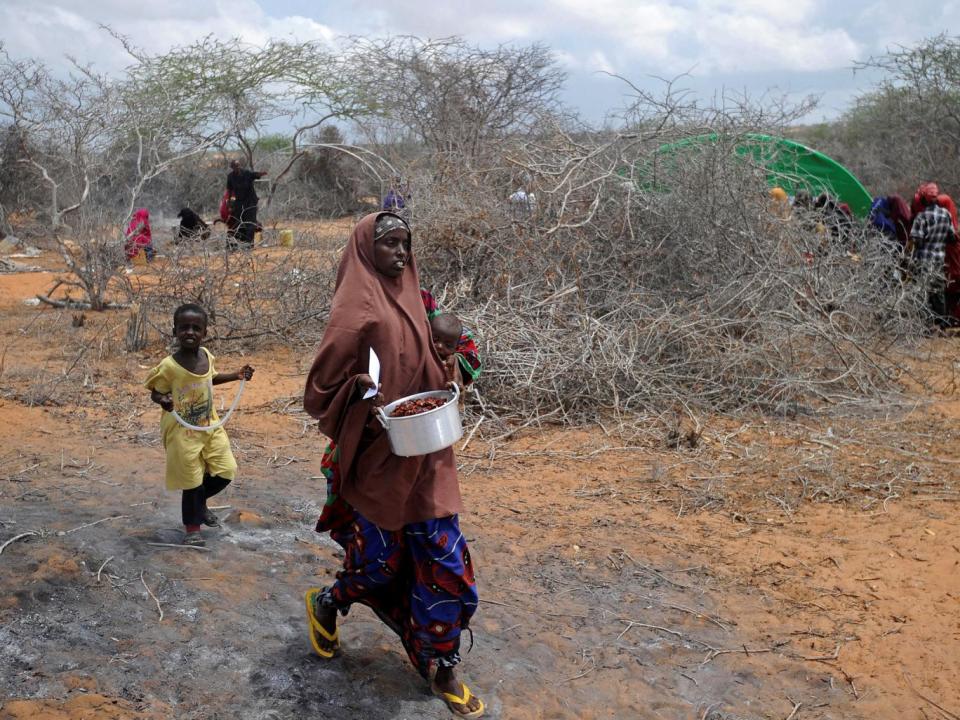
(418,580)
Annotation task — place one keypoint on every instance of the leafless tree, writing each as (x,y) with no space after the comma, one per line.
(907,129)
(63,124)
(235,91)
(454,97)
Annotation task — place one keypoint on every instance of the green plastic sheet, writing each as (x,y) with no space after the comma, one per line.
(789,165)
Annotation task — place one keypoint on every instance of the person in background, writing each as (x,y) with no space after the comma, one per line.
(395,199)
(901,217)
(780,202)
(192,226)
(952,267)
(522,203)
(837,218)
(880,217)
(891,215)
(243,202)
(932,231)
(946,202)
(138,236)
(926,191)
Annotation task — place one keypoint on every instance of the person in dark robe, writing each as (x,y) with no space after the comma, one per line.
(243,202)
(192,226)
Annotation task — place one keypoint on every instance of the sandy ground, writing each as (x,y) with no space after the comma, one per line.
(802,569)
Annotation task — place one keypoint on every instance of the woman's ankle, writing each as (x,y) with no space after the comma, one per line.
(445,675)
(326,612)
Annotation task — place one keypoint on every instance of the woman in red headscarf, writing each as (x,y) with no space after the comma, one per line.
(395,517)
(926,193)
(138,235)
(952,262)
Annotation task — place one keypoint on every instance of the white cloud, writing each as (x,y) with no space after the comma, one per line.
(54,30)
(794,11)
(598,62)
(731,43)
(662,36)
(489,22)
(626,19)
(713,35)
(653,36)
(567,60)
(633,38)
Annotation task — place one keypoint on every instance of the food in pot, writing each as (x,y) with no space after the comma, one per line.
(418,406)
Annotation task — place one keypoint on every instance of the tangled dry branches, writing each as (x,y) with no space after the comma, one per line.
(629,288)
(279,295)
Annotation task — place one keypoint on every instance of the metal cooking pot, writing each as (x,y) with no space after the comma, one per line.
(427,432)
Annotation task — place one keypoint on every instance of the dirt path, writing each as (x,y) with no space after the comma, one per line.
(774,568)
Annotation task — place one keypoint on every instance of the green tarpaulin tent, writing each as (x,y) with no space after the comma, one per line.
(789,165)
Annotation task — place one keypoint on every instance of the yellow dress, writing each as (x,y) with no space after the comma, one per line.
(191,453)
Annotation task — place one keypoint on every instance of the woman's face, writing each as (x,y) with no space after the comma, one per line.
(391,253)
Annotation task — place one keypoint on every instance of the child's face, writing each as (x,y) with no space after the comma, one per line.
(190,328)
(445,342)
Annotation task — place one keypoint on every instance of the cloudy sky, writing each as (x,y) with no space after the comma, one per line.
(794,47)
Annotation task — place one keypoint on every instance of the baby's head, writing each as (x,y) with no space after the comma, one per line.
(446,329)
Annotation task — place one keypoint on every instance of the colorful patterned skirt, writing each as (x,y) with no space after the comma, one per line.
(418,580)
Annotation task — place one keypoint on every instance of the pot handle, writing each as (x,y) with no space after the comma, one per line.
(456,392)
(382,417)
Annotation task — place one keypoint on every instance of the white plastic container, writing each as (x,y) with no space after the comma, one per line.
(427,432)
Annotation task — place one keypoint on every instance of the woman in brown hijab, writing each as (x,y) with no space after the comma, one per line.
(395,517)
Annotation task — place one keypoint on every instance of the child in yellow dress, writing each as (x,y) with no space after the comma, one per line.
(199,462)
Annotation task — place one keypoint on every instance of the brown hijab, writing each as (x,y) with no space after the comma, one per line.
(373,310)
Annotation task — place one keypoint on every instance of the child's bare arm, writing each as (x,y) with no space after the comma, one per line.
(164,400)
(246,372)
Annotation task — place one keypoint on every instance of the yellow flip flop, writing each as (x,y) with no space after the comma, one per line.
(453,700)
(316,628)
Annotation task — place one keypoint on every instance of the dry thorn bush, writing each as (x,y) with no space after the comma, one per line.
(627,290)
(254,299)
